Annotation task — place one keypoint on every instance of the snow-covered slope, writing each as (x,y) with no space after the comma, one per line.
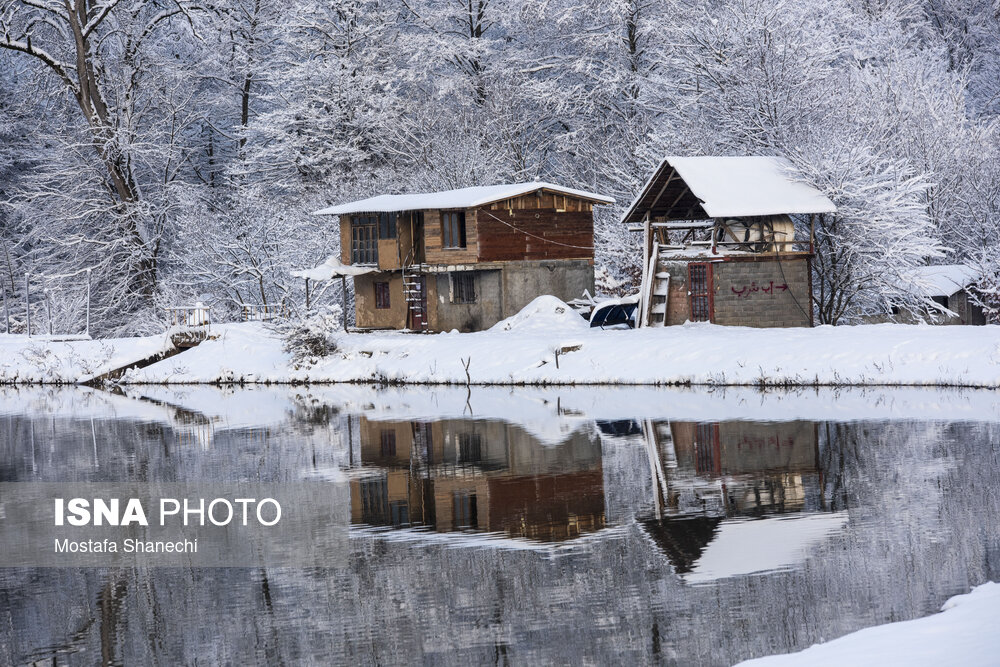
(964,633)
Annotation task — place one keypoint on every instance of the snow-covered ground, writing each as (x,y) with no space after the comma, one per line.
(40,359)
(963,633)
(548,344)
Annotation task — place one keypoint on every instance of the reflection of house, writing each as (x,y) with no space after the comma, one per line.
(465,259)
(720,242)
(707,475)
(481,475)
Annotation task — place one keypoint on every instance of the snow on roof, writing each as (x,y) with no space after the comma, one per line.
(940,280)
(763,545)
(736,187)
(461,198)
(330,269)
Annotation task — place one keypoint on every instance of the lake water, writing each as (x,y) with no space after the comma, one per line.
(521,526)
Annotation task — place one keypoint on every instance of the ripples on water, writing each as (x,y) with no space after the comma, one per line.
(525,526)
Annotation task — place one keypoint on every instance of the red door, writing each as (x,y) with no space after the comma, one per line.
(700,291)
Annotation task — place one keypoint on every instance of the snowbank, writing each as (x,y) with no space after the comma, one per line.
(27,360)
(545,313)
(548,343)
(964,633)
(558,348)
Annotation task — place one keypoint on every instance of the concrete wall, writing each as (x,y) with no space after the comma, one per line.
(525,281)
(763,293)
(759,292)
(443,315)
(365,312)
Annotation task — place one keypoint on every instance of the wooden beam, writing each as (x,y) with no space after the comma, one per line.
(673,174)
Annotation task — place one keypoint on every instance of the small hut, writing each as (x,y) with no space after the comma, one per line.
(720,242)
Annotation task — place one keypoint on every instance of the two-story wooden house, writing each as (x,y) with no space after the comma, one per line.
(466,259)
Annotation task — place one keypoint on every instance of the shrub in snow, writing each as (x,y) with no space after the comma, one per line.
(311,339)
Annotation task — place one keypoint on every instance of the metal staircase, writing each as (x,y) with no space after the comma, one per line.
(414,293)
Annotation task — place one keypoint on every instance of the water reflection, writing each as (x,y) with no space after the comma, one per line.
(532,526)
(478,475)
(711,477)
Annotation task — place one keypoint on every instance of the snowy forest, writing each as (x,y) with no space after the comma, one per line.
(167,151)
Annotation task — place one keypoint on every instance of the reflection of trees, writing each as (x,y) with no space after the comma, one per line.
(920,497)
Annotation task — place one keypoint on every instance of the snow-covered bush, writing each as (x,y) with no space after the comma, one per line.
(310,339)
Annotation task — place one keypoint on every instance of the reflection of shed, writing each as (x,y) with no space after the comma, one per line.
(482,475)
(730,483)
(720,242)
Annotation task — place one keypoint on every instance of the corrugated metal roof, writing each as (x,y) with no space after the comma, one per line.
(726,187)
(461,198)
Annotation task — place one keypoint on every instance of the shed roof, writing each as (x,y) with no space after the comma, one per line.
(461,198)
(726,187)
(941,279)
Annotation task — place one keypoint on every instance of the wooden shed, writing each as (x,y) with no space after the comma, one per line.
(726,240)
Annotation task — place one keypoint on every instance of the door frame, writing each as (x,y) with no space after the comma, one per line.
(709,291)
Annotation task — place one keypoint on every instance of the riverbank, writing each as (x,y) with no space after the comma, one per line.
(547,347)
(962,633)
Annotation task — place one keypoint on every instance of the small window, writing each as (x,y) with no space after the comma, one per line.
(364,244)
(470,448)
(387,444)
(940,300)
(453,229)
(463,287)
(381,295)
(387,225)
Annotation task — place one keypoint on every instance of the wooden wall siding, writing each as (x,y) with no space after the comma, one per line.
(543,199)
(345,239)
(388,254)
(572,232)
(433,240)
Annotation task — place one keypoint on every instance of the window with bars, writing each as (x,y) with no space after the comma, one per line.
(463,287)
(700,291)
(706,448)
(382,295)
(453,229)
(470,448)
(364,239)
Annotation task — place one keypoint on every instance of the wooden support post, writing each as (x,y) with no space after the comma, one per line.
(307,295)
(27,305)
(343,297)
(647,243)
(812,232)
(88,302)
(48,308)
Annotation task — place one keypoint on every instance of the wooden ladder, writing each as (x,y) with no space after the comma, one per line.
(655,293)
